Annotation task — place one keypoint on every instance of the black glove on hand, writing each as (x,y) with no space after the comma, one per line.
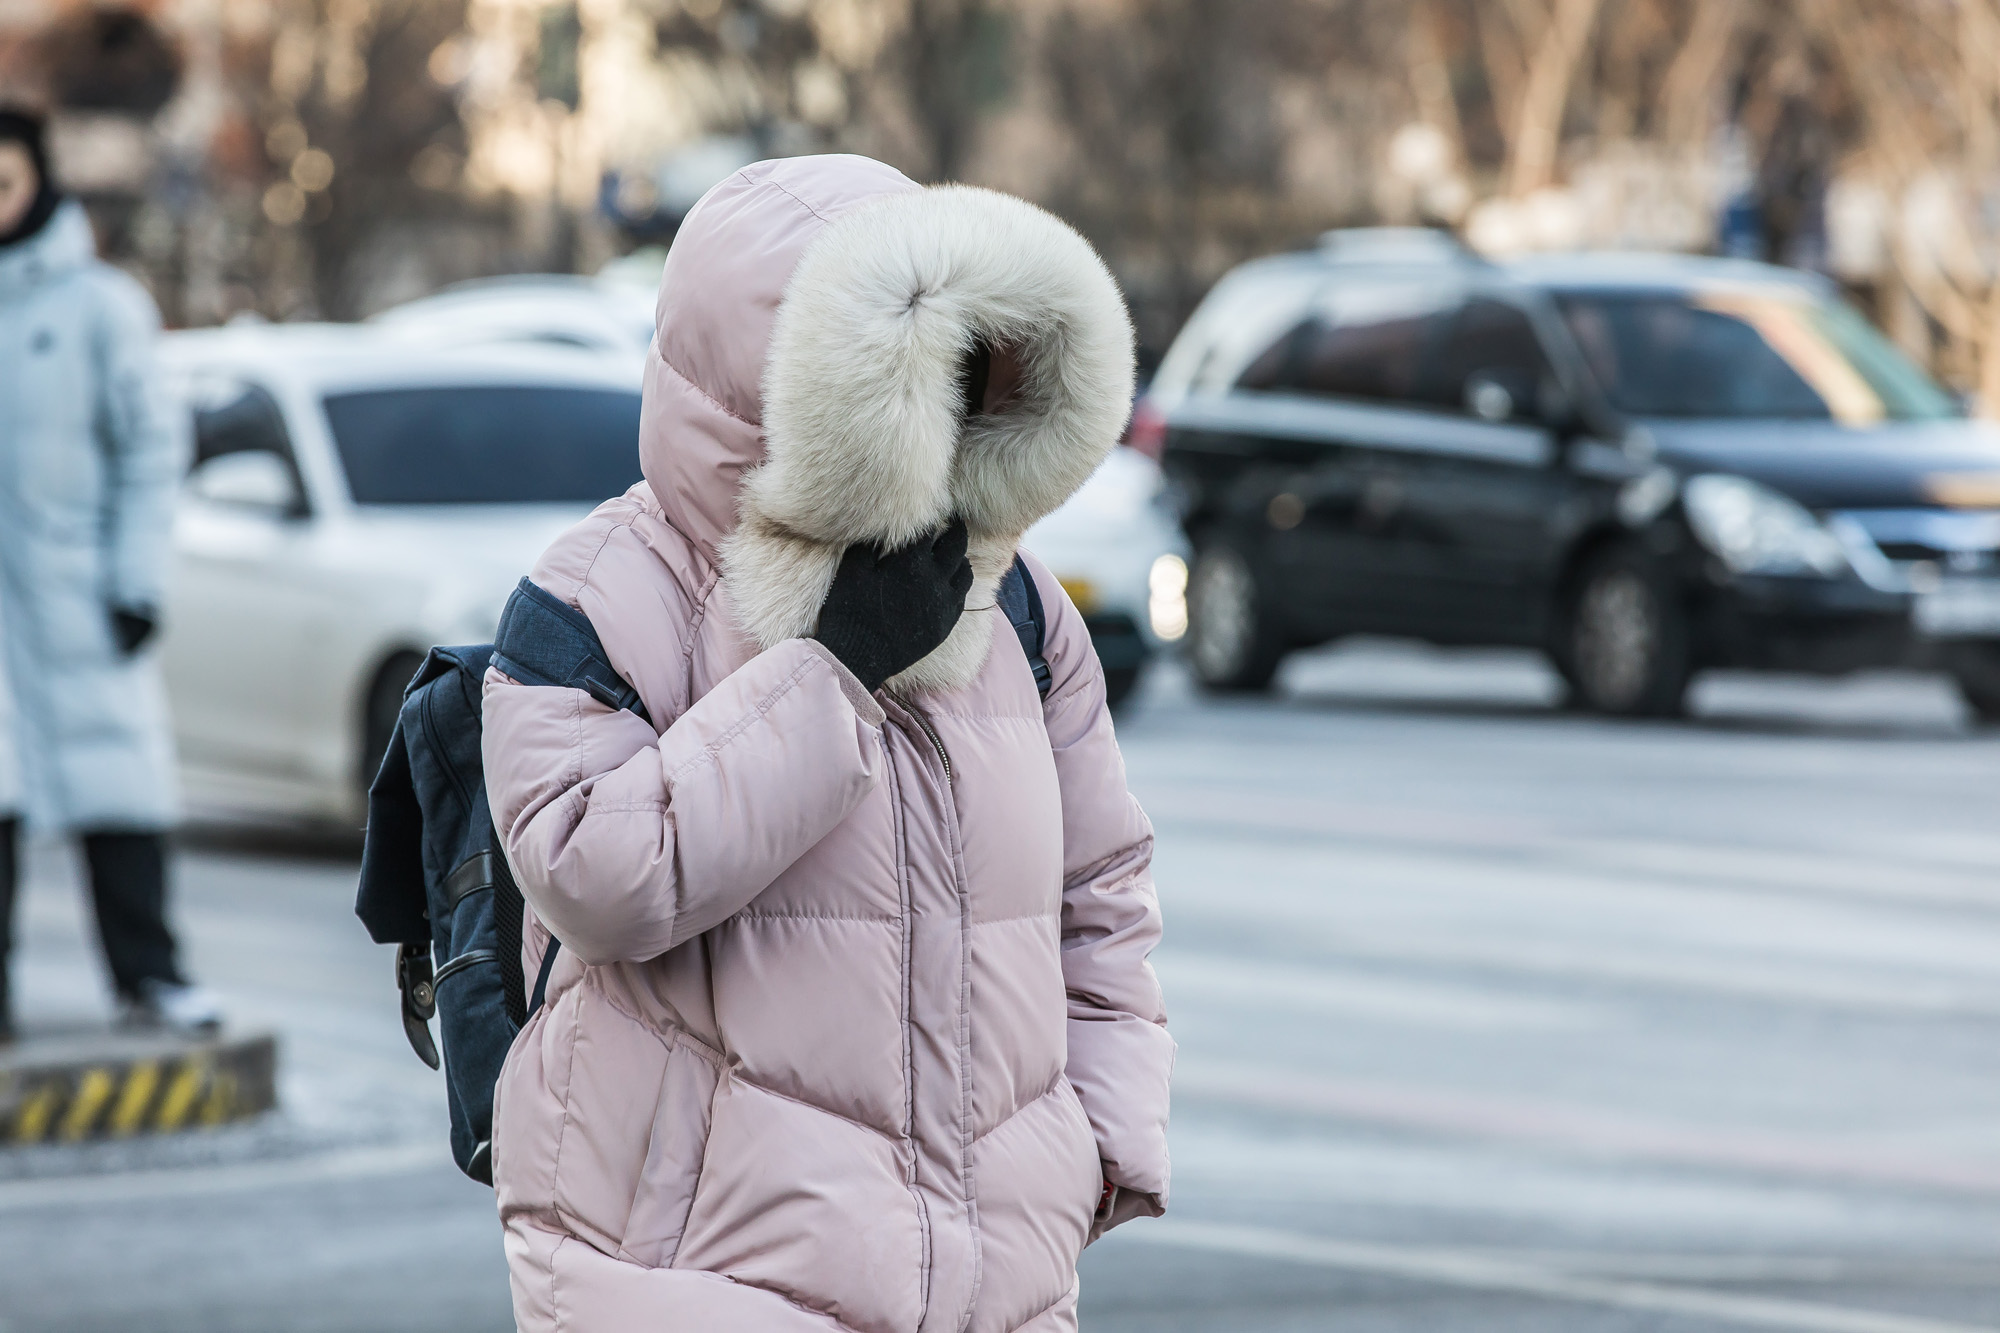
(132,626)
(885,611)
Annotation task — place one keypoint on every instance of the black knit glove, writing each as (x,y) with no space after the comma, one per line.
(886,610)
(132,626)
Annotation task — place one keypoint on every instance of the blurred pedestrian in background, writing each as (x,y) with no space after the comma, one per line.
(90,455)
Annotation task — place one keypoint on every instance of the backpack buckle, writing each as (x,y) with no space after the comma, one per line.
(413,979)
(614,697)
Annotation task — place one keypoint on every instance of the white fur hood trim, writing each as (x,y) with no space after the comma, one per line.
(863,427)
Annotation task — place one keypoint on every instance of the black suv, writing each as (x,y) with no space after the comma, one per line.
(1643,464)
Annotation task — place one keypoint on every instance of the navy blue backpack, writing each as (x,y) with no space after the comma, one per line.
(434,879)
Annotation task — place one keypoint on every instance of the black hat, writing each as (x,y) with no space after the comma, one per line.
(20,125)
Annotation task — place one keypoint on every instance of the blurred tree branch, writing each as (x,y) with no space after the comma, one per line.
(1180,135)
(1555,50)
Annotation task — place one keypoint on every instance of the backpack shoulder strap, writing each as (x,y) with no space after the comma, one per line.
(391,895)
(1022,601)
(389,898)
(543,640)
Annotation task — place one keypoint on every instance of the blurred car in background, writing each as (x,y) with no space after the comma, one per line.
(358,495)
(1116,545)
(1119,552)
(354,500)
(609,313)
(1645,465)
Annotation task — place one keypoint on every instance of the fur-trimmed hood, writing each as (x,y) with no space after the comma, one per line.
(804,392)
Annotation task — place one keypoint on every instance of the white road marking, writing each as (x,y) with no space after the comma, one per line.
(1459,1268)
(1618,934)
(1218,981)
(126,1187)
(1583,1130)
(1762,1267)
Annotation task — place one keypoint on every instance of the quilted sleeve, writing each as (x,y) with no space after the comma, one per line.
(627,843)
(1120,1056)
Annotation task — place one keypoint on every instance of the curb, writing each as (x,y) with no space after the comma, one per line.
(115,1085)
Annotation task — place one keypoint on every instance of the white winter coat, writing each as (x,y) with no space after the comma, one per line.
(91,451)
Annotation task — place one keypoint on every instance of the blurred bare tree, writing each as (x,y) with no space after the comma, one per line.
(1187,134)
(1926,81)
(354,109)
(368,149)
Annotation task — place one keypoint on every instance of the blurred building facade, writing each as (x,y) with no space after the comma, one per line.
(328,157)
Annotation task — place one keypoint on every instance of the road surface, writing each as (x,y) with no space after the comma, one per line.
(1491,1017)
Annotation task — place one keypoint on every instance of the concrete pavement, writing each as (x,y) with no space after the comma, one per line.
(1490,1017)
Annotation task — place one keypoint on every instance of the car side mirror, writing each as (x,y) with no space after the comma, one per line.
(253,479)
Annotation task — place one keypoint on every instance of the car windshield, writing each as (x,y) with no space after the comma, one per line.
(1746,353)
(486,444)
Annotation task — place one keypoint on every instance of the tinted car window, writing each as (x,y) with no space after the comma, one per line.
(1234,326)
(1370,346)
(1745,354)
(1272,368)
(486,444)
(1487,338)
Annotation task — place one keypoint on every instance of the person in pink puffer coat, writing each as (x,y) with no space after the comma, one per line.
(853,1026)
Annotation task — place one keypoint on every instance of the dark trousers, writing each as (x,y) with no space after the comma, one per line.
(128,889)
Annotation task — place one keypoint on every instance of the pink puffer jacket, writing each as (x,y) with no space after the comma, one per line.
(853,1015)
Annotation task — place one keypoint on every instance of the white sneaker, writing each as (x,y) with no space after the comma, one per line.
(168,1004)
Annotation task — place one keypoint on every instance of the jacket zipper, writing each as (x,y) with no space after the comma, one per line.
(909,1007)
(964,908)
(923,722)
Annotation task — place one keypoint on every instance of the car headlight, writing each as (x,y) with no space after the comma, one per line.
(1166,599)
(1758,531)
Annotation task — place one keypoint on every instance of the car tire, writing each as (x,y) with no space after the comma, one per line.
(1623,639)
(1983,699)
(1119,682)
(385,701)
(1232,645)
(1976,669)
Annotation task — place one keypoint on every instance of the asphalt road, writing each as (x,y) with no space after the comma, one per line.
(1491,1018)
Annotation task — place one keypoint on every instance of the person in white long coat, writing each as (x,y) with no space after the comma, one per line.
(91,452)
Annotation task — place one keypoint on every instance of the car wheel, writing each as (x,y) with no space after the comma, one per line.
(1624,647)
(1119,683)
(385,701)
(1983,699)
(1231,643)
(1976,668)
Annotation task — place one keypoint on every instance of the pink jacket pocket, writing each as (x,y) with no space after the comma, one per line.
(673,1154)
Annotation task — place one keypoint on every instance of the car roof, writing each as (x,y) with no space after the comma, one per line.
(341,357)
(557,308)
(1627,269)
(526,290)
(1401,253)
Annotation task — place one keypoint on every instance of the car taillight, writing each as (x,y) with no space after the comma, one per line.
(1147,431)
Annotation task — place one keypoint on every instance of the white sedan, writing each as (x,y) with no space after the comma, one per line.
(1118,549)
(601,314)
(354,500)
(357,498)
